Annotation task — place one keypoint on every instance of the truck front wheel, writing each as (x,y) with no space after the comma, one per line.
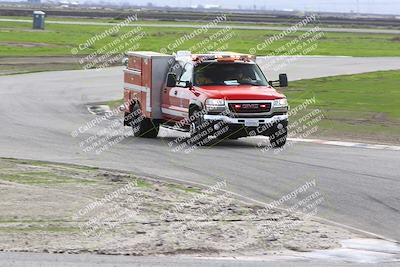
(278,140)
(199,129)
(142,126)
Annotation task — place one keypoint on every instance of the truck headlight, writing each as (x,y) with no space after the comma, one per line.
(280,103)
(215,104)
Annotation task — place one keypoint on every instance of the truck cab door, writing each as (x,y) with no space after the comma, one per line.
(168,101)
(174,98)
(184,84)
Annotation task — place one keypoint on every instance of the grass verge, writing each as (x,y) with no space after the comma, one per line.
(357,107)
(18,39)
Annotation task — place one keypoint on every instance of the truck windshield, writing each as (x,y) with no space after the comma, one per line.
(228,74)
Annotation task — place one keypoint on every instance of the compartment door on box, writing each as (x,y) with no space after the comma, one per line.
(133,81)
(135,63)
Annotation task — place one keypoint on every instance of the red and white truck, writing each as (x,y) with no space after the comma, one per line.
(201,93)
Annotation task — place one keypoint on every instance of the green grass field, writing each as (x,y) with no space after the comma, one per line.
(17,39)
(363,106)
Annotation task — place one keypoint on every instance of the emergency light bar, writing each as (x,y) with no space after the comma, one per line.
(222,57)
(183,55)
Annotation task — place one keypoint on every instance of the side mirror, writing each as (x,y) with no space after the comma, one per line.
(283,81)
(125,61)
(171,80)
(188,84)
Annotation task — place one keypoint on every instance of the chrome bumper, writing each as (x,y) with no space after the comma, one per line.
(245,121)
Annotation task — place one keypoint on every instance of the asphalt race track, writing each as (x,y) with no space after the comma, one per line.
(361,187)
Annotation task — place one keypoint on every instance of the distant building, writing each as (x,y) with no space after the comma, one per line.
(206,6)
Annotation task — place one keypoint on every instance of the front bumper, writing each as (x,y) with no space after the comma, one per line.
(245,126)
(246,121)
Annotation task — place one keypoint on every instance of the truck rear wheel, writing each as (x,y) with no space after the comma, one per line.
(142,126)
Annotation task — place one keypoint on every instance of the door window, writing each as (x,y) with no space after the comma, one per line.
(187,75)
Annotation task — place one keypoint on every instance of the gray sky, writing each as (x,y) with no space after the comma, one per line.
(366,6)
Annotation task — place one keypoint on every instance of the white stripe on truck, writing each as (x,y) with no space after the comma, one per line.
(174,112)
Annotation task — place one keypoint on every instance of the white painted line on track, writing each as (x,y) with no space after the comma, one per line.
(346,144)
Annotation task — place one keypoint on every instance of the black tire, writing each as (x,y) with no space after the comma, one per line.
(198,127)
(278,141)
(142,126)
(128,119)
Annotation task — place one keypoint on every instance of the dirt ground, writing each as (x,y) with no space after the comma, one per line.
(60,208)
(19,65)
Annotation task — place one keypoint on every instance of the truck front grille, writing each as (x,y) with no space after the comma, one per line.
(240,108)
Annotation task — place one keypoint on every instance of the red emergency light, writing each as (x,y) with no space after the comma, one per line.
(222,57)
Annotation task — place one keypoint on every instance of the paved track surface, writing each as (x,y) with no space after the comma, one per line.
(361,186)
(193,26)
(308,67)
